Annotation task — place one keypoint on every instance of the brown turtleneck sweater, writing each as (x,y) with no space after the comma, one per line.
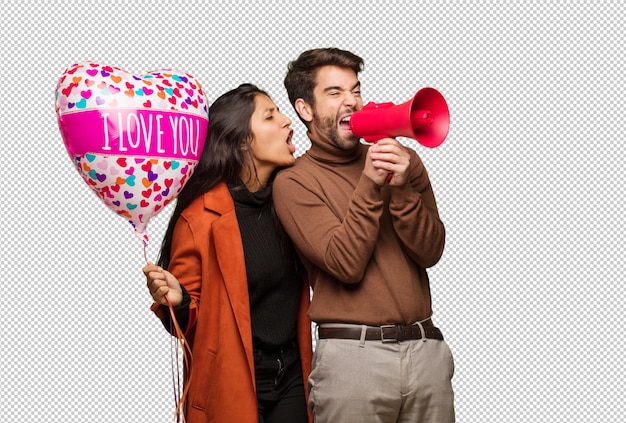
(366,248)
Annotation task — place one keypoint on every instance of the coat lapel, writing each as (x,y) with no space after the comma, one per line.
(229,250)
(231,261)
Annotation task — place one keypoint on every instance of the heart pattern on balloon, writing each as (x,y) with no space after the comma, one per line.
(134,139)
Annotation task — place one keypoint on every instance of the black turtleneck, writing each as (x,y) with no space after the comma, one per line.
(274,286)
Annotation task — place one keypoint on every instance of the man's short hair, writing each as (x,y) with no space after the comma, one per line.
(302,73)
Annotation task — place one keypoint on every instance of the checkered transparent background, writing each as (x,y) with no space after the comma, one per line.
(529,183)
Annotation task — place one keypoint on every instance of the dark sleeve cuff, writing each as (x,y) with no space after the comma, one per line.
(181,312)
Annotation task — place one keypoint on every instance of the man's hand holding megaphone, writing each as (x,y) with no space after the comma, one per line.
(387,161)
(424,118)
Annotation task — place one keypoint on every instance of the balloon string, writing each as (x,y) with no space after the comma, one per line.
(179,399)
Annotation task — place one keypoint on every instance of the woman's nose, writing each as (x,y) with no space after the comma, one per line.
(286,120)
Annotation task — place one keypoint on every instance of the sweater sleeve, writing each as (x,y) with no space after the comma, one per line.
(338,245)
(415,216)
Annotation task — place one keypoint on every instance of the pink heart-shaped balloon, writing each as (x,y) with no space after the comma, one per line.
(107,115)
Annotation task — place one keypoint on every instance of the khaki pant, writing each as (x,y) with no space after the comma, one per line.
(370,381)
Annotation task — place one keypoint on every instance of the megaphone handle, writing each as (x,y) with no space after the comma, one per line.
(374,141)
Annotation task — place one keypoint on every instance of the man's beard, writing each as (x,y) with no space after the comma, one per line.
(327,126)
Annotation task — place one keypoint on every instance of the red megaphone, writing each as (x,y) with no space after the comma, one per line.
(424,118)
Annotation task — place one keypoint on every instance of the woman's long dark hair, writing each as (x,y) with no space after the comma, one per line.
(224,155)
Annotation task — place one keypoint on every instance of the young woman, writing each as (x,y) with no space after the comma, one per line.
(238,292)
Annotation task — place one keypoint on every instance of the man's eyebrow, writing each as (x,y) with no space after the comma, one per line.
(338,88)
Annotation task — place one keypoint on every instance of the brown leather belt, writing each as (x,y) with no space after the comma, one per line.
(385,333)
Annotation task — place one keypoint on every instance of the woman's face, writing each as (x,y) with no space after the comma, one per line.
(271,130)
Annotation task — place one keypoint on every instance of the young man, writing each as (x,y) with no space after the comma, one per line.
(366,242)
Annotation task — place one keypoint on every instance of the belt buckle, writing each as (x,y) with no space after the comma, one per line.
(388,340)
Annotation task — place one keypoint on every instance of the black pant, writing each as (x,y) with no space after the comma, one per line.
(280,387)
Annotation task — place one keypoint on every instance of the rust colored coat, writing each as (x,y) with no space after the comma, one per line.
(207,258)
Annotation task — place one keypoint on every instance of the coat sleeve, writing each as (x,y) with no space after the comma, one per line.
(416,218)
(185,264)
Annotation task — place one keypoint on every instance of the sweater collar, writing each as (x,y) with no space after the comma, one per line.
(242,195)
(324,150)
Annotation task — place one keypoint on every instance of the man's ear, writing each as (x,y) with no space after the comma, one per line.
(304,110)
